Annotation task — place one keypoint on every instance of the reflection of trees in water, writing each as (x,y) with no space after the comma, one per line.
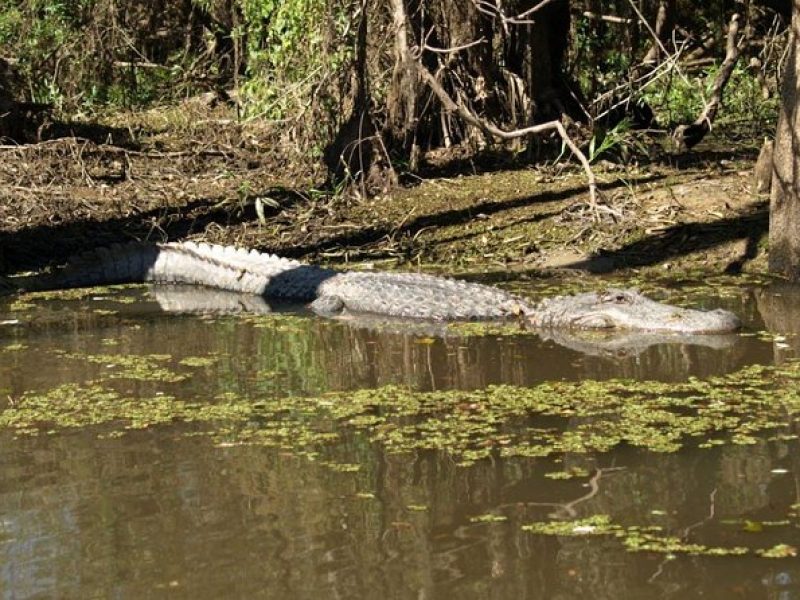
(779,305)
(675,361)
(308,356)
(271,355)
(144,510)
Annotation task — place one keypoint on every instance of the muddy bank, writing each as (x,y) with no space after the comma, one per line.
(170,174)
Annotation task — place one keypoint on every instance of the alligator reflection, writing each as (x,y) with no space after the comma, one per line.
(446,359)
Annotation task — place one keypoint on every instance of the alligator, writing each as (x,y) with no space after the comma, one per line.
(616,343)
(333,293)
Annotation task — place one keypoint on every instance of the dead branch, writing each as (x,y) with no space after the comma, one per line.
(688,136)
(491,129)
(495,10)
(661,30)
(606,18)
(139,64)
(732,51)
(454,49)
(410,58)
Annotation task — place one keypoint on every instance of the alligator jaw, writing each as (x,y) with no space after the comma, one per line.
(629,310)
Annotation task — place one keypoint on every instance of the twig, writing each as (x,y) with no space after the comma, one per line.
(454,49)
(606,18)
(567,509)
(124,64)
(496,10)
(712,509)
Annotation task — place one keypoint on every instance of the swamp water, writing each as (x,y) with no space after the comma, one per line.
(152,454)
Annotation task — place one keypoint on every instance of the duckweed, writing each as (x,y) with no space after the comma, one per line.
(778,551)
(130,366)
(634,538)
(13,347)
(82,293)
(71,405)
(547,419)
(198,361)
(572,473)
(20,305)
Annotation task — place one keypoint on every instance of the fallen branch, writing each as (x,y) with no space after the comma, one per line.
(139,64)
(451,106)
(688,136)
(491,129)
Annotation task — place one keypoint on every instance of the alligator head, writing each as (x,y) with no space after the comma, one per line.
(627,309)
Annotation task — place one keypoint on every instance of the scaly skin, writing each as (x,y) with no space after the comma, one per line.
(331,293)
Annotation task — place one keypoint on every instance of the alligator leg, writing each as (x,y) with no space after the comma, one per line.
(327,306)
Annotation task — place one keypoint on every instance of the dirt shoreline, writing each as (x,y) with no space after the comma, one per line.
(223,185)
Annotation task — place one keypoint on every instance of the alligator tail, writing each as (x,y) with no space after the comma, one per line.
(119,263)
(221,267)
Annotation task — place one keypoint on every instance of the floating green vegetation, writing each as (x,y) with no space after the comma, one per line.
(19,305)
(16,347)
(70,405)
(146,367)
(551,418)
(198,361)
(568,474)
(485,328)
(279,321)
(636,538)
(100,292)
(342,467)
(778,551)
(488,518)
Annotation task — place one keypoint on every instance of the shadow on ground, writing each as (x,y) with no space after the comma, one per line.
(372,234)
(121,137)
(687,238)
(39,246)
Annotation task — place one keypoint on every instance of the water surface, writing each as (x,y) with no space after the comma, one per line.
(192,508)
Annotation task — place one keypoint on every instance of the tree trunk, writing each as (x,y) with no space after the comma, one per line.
(356,154)
(784,222)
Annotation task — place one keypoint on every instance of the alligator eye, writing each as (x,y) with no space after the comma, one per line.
(616,298)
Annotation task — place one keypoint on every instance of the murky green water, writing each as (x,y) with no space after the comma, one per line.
(153,454)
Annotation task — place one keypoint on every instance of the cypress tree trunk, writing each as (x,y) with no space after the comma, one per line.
(784,223)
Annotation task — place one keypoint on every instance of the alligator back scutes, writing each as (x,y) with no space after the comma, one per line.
(421,296)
